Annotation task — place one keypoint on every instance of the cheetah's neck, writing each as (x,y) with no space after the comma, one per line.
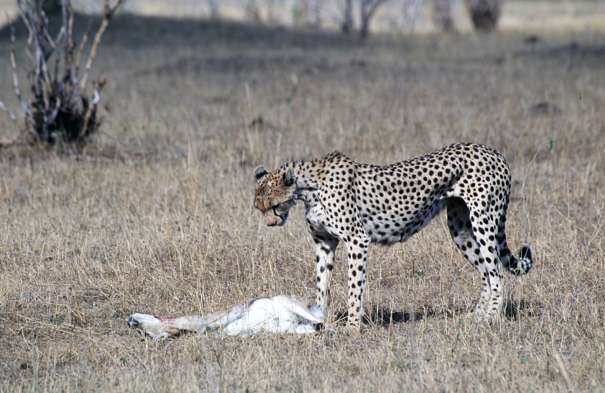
(307,174)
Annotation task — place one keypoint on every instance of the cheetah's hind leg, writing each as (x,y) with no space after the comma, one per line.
(475,244)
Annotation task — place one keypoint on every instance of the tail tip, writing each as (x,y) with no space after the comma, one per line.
(525,261)
(525,253)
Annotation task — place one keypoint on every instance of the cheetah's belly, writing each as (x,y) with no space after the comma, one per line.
(387,226)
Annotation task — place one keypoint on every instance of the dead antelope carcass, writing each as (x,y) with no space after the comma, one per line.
(278,314)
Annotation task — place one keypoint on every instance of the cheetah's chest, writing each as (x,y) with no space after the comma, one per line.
(319,220)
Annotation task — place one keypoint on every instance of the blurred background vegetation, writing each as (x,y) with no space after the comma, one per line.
(393,16)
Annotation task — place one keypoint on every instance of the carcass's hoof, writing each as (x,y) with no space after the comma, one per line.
(132,322)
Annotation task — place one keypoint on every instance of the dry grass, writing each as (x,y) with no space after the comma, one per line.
(157,216)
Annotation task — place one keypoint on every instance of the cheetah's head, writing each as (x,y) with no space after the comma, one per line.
(275,194)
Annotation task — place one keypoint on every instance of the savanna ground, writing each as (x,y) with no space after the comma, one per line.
(156,216)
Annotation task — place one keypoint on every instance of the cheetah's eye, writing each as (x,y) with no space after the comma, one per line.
(282,206)
(260,172)
(288,178)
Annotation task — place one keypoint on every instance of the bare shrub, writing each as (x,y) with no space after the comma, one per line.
(307,13)
(253,12)
(410,13)
(484,14)
(367,10)
(63,103)
(316,11)
(300,13)
(442,15)
(347,25)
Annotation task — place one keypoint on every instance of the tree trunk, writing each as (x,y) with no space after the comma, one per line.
(484,14)
(213,7)
(442,15)
(317,13)
(367,10)
(364,29)
(300,13)
(253,12)
(347,24)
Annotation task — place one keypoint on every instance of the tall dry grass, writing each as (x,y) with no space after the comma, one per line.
(157,216)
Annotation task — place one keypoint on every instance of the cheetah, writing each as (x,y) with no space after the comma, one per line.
(358,204)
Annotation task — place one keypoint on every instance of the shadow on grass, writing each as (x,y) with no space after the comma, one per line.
(513,310)
(138,32)
(385,317)
(567,50)
(569,54)
(382,316)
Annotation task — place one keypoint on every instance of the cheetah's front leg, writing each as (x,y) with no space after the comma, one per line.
(357,257)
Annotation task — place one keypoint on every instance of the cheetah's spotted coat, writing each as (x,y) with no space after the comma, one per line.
(360,204)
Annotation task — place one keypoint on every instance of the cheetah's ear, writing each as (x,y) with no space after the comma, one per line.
(288,178)
(260,172)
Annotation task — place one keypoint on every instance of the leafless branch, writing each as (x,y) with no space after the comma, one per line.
(108,12)
(92,106)
(24,104)
(4,108)
(442,15)
(371,6)
(367,9)
(69,43)
(78,57)
(53,115)
(347,21)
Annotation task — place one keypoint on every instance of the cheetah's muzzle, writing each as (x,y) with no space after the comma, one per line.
(274,218)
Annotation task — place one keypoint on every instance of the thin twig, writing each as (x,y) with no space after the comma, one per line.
(24,104)
(69,57)
(374,7)
(77,60)
(47,53)
(57,66)
(49,42)
(81,50)
(92,106)
(41,75)
(369,7)
(25,18)
(10,113)
(108,12)
(53,41)
(55,112)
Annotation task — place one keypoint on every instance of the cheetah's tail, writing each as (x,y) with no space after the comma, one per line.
(517,265)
